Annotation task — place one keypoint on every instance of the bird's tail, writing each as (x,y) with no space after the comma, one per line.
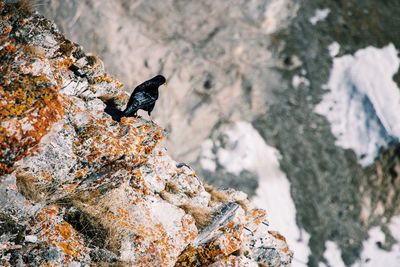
(112,110)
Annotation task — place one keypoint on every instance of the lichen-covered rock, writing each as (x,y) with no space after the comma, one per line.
(77,187)
(29,103)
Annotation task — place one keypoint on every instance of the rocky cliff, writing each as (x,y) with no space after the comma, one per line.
(78,188)
(242,69)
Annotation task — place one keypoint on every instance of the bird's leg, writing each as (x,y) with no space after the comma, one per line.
(136,115)
(151,119)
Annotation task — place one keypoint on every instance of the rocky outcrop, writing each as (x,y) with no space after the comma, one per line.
(266,63)
(77,187)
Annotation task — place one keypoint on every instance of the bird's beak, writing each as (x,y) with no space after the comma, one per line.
(166,83)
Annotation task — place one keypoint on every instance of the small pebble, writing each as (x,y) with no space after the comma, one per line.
(31,238)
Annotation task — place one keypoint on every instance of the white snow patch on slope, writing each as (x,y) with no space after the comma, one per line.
(245,149)
(333,255)
(297,80)
(207,159)
(372,256)
(334,49)
(320,15)
(363,102)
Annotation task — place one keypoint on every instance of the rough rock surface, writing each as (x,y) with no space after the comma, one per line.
(78,188)
(265,62)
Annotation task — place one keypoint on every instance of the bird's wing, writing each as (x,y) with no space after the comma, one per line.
(143,87)
(140,100)
(143,99)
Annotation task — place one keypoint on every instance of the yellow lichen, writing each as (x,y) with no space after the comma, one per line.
(26,100)
(53,230)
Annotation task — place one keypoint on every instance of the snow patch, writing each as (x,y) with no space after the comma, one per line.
(207,158)
(319,15)
(245,149)
(242,148)
(374,256)
(334,49)
(298,80)
(333,255)
(363,101)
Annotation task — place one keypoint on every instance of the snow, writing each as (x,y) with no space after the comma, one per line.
(394,227)
(245,149)
(363,101)
(207,158)
(332,255)
(372,256)
(334,49)
(241,150)
(298,80)
(320,15)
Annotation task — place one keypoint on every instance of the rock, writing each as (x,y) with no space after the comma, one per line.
(31,238)
(77,188)
(261,62)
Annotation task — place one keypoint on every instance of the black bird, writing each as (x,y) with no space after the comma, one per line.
(143,97)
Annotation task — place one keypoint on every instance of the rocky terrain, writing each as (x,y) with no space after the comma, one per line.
(250,79)
(79,189)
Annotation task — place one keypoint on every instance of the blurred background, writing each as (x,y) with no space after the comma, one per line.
(296,103)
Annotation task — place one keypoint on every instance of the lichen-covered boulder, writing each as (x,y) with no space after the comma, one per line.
(77,188)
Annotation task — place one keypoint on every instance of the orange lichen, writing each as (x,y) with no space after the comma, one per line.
(257,216)
(277,235)
(10,48)
(104,78)
(29,105)
(101,143)
(52,229)
(232,238)
(108,79)
(215,250)
(63,63)
(125,221)
(198,256)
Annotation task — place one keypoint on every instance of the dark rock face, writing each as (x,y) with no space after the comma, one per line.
(327,182)
(236,61)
